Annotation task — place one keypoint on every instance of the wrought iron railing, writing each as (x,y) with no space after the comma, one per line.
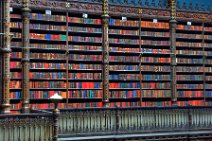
(26,127)
(97,121)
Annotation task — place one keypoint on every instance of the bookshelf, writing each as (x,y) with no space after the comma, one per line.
(190,63)
(66,57)
(155,63)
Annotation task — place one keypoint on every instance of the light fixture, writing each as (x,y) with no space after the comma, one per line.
(56,98)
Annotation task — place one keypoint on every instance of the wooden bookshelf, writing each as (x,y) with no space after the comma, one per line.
(66,57)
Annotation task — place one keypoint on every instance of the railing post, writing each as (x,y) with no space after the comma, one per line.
(56,114)
(117,119)
(189,117)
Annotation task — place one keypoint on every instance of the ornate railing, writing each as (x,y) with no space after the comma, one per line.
(97,121)
(26,127)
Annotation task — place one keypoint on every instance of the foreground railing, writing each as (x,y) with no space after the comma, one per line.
(26,127)
(97,121)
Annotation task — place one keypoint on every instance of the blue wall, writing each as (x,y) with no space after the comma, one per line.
(164,3)
(194,2)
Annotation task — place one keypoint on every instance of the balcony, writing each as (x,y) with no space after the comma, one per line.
(137,123)
(141,122)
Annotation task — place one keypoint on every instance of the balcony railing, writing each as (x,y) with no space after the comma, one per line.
(107,121)
(26,127)
(110,121)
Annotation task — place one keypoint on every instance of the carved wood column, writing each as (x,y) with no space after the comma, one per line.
(173,25)
(25,55)
(6,50)
(105,55)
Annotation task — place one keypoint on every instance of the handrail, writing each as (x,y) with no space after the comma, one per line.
(119,120)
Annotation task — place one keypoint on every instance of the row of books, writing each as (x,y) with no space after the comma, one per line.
(14,64)
(124,58)
(156,104)
(155,68)
(47,75)
(155,42)
(123,32)
(155,77)
(192,103)
(158,25)
(85,57)
(85,66)
(113,94)
(189,36)
(125,85)
(208,45)
(39,45)
(189,86)
(49,56)
(209,37)
(208,86)
(123,67)
(191,52)
(47,17)
(208,78)
(190,27)
(47,84)
(154,50)
(189,77)
(15,84)
(208,94)
(48,37)
(190,93)
(156,85)
(48,65)
(190,60)
(156,59)
(208,69)
(84,20)
(124,77)
(84,29)
(49,27)
(80,105)
(155,34)
(16,54)
(118,22)
(88,85)
(189,44)
(16,25)
(123,49)
(85,94)
(123,41)
(85,39)
(208,61)
(206,28)
(125,94)
(208,53)
(85,76)
(16,75)
(189,69)
(16,34)
(84,47)
(156,93)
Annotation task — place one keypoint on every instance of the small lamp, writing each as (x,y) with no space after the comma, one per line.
(56,98)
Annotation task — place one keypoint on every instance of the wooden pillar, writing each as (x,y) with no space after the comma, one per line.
(105,55)
(6,50)
(25,56)
(1,46)
(172,25)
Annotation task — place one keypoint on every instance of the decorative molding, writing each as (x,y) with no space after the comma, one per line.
(97,8)
(114,9)
(200,16)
